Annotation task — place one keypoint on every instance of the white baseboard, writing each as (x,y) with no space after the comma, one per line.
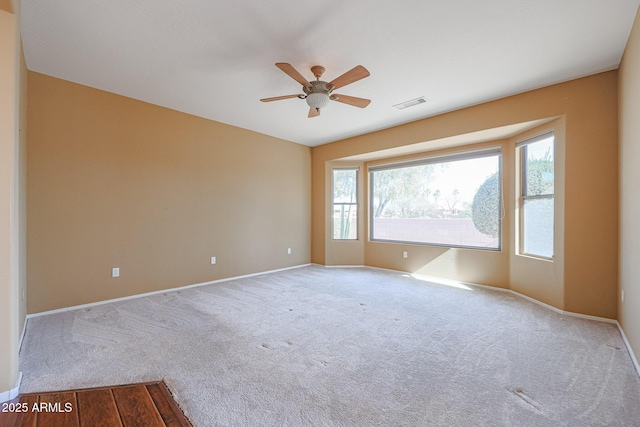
(588,317)
(626,343)
(13,393)
(343,266)
(164,291)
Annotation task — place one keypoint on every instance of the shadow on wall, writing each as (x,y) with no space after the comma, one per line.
(443,262)
(484,267)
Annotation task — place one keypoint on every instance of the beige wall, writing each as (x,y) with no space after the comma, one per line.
(115,182)
(587,280)
(11,217)
(629,312)
(5,5)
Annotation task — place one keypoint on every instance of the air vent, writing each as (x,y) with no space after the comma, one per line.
(411,103)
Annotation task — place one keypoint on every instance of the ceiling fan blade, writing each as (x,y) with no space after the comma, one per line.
(351,100)
(353,75)
(314,112)
(293,73)
(278,98)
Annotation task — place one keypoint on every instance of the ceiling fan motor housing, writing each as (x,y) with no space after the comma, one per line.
(317,94)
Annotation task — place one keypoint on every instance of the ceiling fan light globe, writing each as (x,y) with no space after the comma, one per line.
(318,100)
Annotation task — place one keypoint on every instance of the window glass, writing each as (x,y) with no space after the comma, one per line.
(537,224)
(539,167)
(537,201)
(451,202)
(345,204)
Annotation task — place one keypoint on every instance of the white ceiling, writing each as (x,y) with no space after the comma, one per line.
(215,59)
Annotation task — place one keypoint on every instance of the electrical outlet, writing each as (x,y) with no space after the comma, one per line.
(213,260)
(405,254)
(289,251)
(115,272)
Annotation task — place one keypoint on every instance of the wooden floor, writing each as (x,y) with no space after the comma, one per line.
(135,405)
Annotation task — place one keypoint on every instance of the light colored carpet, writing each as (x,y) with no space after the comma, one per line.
(344,347)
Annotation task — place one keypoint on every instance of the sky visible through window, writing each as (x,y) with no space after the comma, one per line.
(455,176)
(542,149)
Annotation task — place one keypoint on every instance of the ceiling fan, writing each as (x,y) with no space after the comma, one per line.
(318,93)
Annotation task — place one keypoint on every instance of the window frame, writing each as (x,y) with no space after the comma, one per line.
(355,204)
(434,160)
(521,155)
